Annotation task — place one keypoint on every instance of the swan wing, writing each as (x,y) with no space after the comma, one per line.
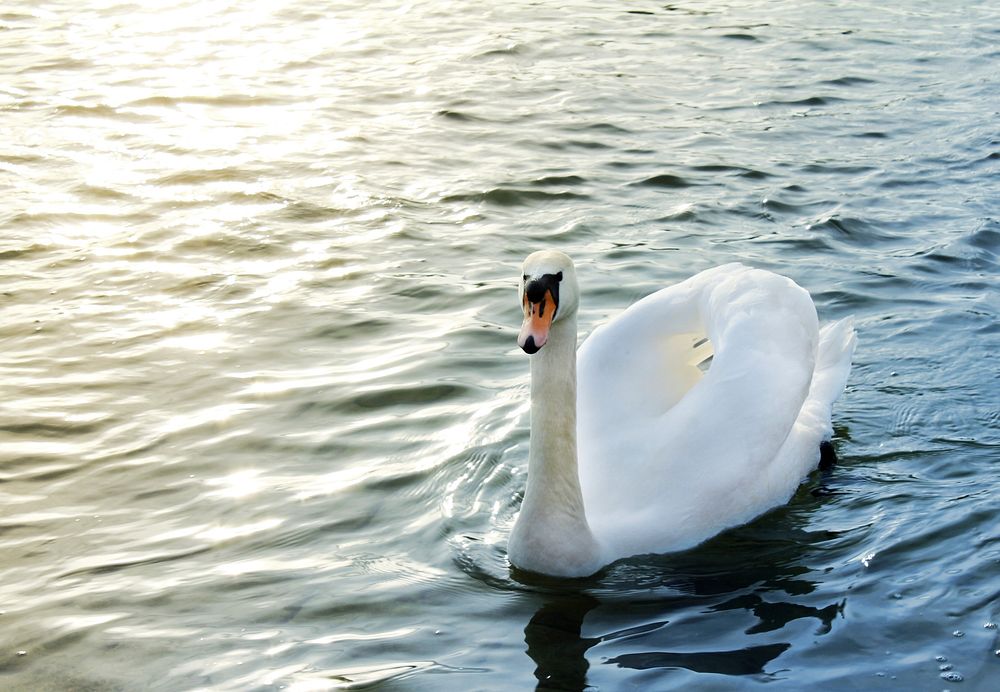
(669,456)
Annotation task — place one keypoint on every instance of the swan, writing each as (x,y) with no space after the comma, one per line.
(635,450)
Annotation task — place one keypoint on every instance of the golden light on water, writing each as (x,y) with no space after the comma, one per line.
(237,484)
(220,534)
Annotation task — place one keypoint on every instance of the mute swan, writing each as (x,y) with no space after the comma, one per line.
(633,450)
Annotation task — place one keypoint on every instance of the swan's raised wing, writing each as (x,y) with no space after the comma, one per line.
(660,445)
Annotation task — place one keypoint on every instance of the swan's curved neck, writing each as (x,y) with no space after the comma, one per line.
(552,535)
(552,458)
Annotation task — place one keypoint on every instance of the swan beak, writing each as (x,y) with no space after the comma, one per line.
(537,320)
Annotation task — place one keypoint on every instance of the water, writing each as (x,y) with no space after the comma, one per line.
(263,421)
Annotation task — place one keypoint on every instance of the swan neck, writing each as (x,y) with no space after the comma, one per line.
(552,453)
(552,535)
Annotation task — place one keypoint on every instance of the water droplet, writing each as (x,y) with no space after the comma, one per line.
(897,595)
(990,625)
(958,633)
(952,676)
(22,653)
(945,666)
(940,659)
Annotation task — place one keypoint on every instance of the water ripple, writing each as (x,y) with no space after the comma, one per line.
(265,420)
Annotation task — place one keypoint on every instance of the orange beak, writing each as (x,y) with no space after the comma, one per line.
(537,320)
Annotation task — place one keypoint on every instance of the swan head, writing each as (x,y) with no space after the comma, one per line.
(548,294)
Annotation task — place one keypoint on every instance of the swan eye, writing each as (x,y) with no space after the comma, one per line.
(547,285)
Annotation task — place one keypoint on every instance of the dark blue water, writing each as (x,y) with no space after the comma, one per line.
(264,420)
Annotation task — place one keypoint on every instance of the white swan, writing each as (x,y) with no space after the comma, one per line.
(642,453)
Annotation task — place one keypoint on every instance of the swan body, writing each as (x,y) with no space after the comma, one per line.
(633,448)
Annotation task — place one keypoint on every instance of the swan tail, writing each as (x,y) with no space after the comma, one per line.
(833,360)
(833,365)
(808,445)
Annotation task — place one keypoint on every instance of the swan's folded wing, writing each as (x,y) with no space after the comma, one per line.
(661,446)
(642,362)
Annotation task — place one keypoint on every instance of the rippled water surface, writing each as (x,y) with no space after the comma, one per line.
(264,422)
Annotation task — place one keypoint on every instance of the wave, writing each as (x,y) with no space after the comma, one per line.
(513,197)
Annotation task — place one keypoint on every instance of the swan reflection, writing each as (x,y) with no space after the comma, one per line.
(659,631)
(556,645)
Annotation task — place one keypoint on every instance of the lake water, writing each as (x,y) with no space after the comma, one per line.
(264,421)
